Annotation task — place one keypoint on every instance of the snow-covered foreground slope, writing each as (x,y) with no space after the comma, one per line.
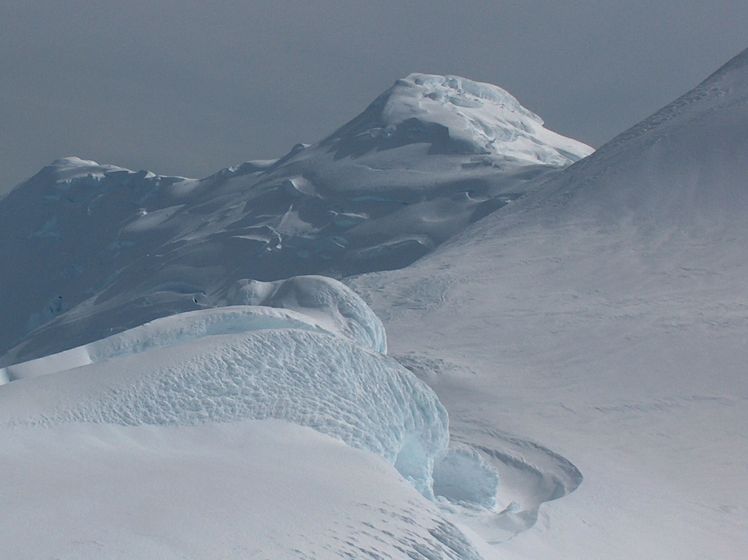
(171,417)
(605,316)
(247,490)
(97,249)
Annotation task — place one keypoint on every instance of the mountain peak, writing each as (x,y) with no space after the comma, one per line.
(455,115)
(456,92)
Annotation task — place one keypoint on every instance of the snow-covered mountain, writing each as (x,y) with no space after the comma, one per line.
(97,248)
(563,376)
(606,316)
(159,310)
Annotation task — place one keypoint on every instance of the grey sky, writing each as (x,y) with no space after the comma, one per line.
(187,86)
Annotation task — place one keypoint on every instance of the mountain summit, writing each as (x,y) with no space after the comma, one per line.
(454,115)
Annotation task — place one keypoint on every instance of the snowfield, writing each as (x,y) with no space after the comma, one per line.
(606,316)
(563,374)
(264,489)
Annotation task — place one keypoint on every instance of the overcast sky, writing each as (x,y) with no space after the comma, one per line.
(189,86)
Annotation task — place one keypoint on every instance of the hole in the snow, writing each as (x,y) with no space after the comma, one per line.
(463,477)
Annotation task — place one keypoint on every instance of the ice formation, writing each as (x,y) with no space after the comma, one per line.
(335,306)
(315,358)
(165,332)
(240,363)
(462,476)
(603,313)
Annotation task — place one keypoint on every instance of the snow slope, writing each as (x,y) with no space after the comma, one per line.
(604,316)
(454,116)
(99,249)
(262,489)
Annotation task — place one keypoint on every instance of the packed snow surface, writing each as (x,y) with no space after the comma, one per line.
(249,489)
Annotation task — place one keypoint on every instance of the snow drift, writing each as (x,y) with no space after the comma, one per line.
(335,306)
(248,362)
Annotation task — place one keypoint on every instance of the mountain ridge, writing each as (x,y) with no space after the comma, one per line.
(105,238)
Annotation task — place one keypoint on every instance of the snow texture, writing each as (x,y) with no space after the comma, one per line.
(244,490)
(585,326)
(455,115)
(332,304)
(170,331)
(237,364)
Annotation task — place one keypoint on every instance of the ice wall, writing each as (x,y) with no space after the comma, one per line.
(321,370)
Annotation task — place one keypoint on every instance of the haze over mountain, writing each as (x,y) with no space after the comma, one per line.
(97,248)
(563,374)
(186,87)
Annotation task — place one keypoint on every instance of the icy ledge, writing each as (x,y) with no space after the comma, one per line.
(456,115)
(320,364)
(332,304)
(314,303)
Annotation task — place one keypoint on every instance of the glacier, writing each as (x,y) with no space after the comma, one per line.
(309,302)
(315,358)
(307,354)
(334,305)
(163,333)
